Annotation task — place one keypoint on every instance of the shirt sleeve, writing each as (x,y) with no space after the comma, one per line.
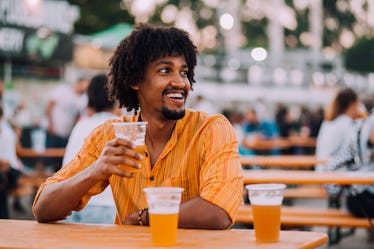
(221,175)
(85,158)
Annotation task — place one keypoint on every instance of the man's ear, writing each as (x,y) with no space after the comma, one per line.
(135,87)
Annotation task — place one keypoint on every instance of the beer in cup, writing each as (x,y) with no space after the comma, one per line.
(163,208)
(134,132)
(266,201)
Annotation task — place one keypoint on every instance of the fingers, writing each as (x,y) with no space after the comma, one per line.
(119,172)
(116,142)
(124,151)
(119,146)
(118,152)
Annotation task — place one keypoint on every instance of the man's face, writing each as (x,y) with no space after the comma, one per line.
(165,88)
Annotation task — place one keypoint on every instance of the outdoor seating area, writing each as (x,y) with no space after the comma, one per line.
(187,124)
(297,171)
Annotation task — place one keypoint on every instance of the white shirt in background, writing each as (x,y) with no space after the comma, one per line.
(332,136)
(68,106)
(8,142)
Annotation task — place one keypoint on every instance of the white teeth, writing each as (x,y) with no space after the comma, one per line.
(175,95)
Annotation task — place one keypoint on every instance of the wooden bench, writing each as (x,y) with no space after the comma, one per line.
(305,192)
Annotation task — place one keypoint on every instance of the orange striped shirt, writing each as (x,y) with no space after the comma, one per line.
(201,156)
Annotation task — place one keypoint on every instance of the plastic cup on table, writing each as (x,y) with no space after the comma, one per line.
(266,201)
(163,208)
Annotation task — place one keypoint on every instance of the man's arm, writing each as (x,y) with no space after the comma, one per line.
(58,199)
(196,213)
(202,214)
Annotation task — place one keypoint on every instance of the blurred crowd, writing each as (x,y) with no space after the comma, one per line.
(69,105)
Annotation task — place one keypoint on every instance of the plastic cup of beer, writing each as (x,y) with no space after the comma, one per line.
(134,132)
(163,208)
(266,201)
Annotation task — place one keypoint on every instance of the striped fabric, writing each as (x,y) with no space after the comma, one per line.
(201,156)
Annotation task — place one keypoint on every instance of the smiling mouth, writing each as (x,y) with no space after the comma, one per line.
(176,96)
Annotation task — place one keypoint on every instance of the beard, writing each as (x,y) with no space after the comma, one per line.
(173,115)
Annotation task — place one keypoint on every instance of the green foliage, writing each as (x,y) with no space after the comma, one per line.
(345,20)
(96,15)
(255,33)
(360,57)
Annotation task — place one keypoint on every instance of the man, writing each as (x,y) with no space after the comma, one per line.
(100,208)
(256,130)
(152,72)
(9,172)
(65,105)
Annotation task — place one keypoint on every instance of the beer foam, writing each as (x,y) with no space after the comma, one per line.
(120,135)
(164,210)
(137,139)
(266,201)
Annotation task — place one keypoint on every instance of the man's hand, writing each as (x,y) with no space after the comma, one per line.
(116,151)
(132,219)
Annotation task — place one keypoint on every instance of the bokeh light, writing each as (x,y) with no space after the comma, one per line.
(259,54)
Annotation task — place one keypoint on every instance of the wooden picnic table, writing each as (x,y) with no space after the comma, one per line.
(22,234)
(307,177)
(287,161)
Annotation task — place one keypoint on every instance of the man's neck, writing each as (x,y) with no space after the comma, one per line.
(157,135)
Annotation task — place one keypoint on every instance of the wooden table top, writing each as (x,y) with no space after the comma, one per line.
(30,234)
(280,143)
(287,161)
(307,177)
(48,152)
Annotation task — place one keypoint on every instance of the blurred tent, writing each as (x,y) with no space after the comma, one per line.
(111,37)
(93,51)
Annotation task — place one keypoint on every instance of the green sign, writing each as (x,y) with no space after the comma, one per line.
(35,45)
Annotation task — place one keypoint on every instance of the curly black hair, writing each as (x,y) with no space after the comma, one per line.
(144,45)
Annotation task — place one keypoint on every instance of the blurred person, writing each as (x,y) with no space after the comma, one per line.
(357,154)
(11,101)
(256,130)
(336,131)
(152,73)
(287,126)
(65,105)
(316,121)
(100,208)
(236,120)
(339,122)
(9,164)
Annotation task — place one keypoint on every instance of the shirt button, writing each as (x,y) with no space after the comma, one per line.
(152,178)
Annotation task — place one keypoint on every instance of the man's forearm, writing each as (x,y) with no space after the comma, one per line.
(57,200)
(200,214)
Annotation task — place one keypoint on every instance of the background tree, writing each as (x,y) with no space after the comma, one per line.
(96,15)
(360,57)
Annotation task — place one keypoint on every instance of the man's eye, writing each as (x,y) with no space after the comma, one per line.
(184,73)
(164,70)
